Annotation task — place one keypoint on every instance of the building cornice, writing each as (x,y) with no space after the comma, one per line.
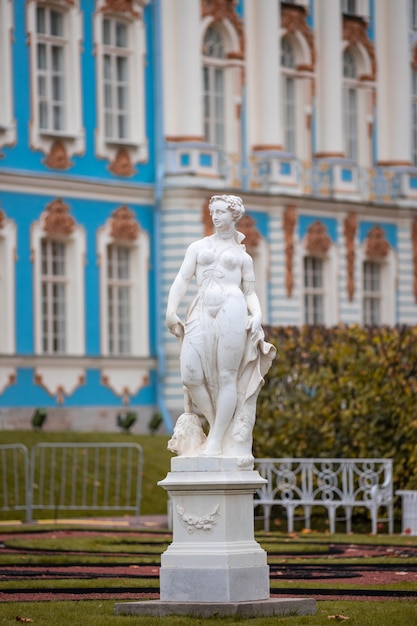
(74,187)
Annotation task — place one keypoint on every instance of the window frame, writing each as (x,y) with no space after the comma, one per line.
(139,316)
(75,279)
(232,68)
(388,277)
(72,135)
(371,273)
(136,141)
(7,121)
(313,293)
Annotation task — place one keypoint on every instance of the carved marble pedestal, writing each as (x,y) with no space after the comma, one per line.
(213,556)
(214,566)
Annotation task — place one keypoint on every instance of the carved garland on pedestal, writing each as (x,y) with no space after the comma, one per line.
(377,247)
(195,523)
(318,241)
(354,32)
(350,229)
(414,242)
(289,222)
(57,219)
(225,10)
(293,19)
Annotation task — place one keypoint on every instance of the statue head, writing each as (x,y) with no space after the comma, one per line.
(234,204)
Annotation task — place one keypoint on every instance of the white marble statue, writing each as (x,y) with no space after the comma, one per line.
(223,353)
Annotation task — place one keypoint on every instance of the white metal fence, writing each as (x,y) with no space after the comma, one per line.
(71,477)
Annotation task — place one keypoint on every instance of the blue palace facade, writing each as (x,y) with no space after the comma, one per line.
(120,118)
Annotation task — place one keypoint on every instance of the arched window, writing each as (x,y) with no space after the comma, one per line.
(289,95)
(214,87)
(350,105)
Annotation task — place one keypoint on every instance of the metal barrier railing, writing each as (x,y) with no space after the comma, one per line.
(73,477)
(14,477)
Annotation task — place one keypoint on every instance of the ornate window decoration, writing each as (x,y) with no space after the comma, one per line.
(359,76)
(223,52)
(58,256)
(297,66)
(378,279)
(289,222)
(7,122)
(350,229)
(120,44)
(55,32)
(319,277)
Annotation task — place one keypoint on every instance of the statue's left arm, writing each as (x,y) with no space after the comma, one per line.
(252,301)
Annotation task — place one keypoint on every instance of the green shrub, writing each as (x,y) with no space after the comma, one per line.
(342,392)
(39,418)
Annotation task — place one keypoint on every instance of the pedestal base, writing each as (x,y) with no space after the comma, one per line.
(214,556)
(262,608)
(238,584)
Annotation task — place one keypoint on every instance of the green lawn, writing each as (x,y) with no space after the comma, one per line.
(101,613)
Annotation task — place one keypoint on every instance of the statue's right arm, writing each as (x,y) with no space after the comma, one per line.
(178,290)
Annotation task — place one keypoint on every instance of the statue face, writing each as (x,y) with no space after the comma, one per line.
(221,215)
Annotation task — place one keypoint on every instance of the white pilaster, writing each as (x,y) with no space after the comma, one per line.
(393,83)
(181,33)
(262,22)
(329,78)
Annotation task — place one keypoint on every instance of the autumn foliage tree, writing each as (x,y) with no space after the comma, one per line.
(342,392)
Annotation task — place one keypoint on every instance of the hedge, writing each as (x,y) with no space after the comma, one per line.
(347,391)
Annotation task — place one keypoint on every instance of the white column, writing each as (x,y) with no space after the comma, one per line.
(181,34)
(262,23)
(393,83)
(329,115)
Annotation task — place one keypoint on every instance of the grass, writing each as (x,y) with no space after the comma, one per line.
(311,548)
(99,612)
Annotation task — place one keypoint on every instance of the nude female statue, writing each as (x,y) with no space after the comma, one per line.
(223,352)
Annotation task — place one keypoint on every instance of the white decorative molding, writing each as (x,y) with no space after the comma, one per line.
(125,381)
(7,121)
(7,376)
(195,523)
(59,381)
(7,284)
